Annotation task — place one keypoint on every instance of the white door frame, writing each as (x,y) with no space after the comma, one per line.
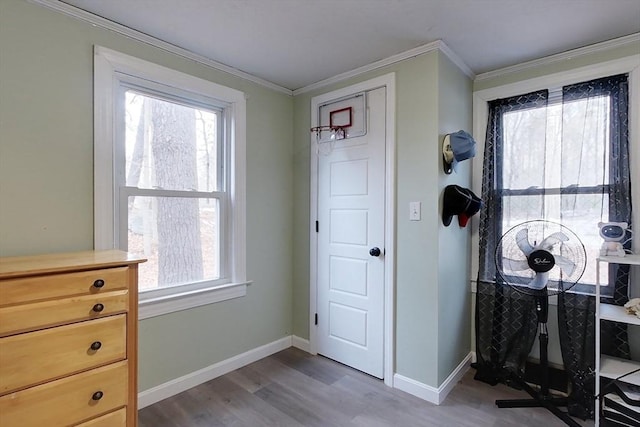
(388,81)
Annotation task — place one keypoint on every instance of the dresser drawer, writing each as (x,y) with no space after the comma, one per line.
(31,358)
(67,401)
(37,288)
(37,315)
(113,419)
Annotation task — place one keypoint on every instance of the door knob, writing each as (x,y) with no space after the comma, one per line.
(374,252)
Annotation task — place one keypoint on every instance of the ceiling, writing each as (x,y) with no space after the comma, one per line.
(295,43)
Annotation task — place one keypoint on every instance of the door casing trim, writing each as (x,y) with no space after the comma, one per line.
(387,81)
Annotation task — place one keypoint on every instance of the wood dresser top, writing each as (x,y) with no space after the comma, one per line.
(52,263)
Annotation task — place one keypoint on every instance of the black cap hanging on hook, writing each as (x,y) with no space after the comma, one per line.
(459,201)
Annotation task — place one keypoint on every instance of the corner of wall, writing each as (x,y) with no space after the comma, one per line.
(455,91)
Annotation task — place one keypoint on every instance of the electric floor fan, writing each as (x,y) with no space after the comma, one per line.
(540,258)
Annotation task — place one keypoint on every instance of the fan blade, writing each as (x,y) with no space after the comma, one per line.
(522,240)
(552,240)
(515,264)
(566,265)
(539,281)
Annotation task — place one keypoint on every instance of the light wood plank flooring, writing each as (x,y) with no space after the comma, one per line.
(293,388)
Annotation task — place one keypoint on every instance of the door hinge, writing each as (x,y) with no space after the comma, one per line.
(317,226)
(316,318)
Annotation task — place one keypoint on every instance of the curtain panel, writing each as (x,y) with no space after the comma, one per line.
(506,322)
(505,319)
(576,312)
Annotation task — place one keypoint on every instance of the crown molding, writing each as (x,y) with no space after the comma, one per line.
(456,59)
(420,50)
(559,57)
(98,21)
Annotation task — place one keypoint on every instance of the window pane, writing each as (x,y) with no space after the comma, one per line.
(518,209)
(557,146)
(179,237)
(524,148)
(580,213)
(170,146)
(585,141)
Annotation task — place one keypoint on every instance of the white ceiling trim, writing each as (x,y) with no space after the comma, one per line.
(168,47)
(436,45)
(609,44)
(144,38)
(420,50)
(456,60)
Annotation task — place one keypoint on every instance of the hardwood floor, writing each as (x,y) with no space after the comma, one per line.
(293,388)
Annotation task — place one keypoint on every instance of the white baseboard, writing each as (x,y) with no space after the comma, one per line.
(428,393)
(178,385)
(301,343)
(193,379)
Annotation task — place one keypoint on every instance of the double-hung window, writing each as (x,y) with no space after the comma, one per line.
(555,165)
(170,180)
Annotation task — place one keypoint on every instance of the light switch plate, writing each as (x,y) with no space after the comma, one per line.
(415,213)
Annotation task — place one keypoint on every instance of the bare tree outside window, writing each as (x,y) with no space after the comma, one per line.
(171,157)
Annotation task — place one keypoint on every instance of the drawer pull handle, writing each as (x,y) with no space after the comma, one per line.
(95,346)
(98,308)
(97,395)
(98,283)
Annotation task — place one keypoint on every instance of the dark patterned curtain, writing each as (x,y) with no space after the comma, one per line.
(576,312)
(506,321)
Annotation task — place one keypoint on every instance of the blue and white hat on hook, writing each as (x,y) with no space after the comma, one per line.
(457,146)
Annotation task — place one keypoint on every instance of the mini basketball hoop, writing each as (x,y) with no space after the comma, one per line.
(335,133)
(339,121)
(341,118)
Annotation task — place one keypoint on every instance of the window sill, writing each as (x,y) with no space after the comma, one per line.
(158,306)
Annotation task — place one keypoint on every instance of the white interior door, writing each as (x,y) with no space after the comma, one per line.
(350,272)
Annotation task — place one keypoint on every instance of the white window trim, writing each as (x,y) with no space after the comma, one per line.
(629,64)
(108,64)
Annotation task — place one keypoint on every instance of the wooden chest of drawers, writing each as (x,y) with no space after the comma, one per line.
(68,340)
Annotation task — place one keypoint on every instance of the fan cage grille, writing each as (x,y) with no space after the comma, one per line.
(510,257)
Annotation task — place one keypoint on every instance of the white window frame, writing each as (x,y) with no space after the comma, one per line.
(629,64)
(112,71)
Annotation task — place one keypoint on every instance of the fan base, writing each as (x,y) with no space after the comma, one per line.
(539,401)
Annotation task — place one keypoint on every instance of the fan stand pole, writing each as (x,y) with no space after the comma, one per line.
(542,398)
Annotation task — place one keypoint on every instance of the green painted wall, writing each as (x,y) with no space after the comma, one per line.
(454,292)
(46,182)
(419,177)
